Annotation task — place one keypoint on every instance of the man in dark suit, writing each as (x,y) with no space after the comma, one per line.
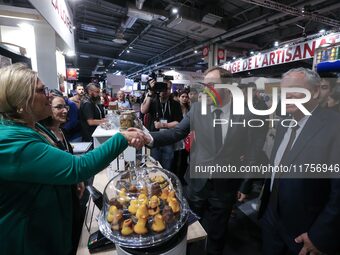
(302,215)
(212,196)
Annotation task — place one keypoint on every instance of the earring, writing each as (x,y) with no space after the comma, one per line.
(20,110)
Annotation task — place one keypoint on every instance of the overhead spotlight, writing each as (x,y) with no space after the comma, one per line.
(74,27)
(322,31)
(174,10)
(234,58)
(241,59)
(303,10)
(252,53)
(286,45)
(276,43)
(130,47)
(195,51)
(70,53)
(127,51)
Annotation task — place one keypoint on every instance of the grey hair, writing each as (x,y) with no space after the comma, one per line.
(311,76)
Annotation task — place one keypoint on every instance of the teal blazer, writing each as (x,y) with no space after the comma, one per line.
(35,194)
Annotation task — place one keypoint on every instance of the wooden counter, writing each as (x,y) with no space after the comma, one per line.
(195,230)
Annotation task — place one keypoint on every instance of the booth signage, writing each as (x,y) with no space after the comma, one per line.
(72,74)
(59,16)
(292,53)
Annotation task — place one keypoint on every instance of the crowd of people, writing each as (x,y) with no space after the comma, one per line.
(39,194)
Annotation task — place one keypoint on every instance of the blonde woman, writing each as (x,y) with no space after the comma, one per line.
(35,199)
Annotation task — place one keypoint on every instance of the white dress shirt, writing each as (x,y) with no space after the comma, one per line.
(302,122)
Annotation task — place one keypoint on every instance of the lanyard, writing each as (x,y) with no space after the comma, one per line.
(100,112)
(164,109)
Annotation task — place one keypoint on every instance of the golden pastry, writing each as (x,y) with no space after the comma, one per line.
(174,205)
(142,211)
(165,193)
(158,224)
(144,190)
(133,206)
(142,199)
(123,198)
(154,205)
(127,227)
(140,227)
(171,195)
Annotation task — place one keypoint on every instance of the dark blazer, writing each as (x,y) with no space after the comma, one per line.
(311,205)
(203,148)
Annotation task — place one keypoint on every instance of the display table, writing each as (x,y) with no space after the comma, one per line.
(100,135)
(195,231)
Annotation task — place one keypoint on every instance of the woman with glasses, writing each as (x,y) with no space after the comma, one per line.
(35,176)
(51,128)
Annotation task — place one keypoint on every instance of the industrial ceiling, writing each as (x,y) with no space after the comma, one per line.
(134,37)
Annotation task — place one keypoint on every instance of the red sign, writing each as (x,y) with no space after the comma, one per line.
(289,54)
(72,74)
(220,54)
(205,51)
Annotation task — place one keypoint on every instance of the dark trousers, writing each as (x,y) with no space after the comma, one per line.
(164,155)
(275,239)
(214,210)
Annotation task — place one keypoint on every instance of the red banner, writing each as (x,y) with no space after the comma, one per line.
(292,53)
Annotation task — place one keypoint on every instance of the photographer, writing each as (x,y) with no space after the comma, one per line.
(164,113)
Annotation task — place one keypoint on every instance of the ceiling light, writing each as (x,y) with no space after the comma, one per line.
(127,51)
(130,47)
(73,27)
(195,51)
(286,45)
(119,38)
(70,53)
(322,31)
(276,44)
(174,10)
(252,53)
(234,58)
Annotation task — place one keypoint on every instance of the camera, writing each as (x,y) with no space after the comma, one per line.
(158,80)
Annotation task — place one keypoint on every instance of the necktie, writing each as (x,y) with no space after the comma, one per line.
(218,130)
(274,197)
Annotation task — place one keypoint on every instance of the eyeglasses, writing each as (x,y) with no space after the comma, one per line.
(44,90)
(60,107)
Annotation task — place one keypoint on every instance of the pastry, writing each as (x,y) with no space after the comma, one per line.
(133,189)
(144,190)
(156,189)
(174,205)
(133,206)
(142,211)
(140,227)
(171,195)
(127,227)
(154,205)
(158,224)
(168,214)
(165,193)
(123,198)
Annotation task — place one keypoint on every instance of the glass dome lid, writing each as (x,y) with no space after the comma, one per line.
(142,207)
